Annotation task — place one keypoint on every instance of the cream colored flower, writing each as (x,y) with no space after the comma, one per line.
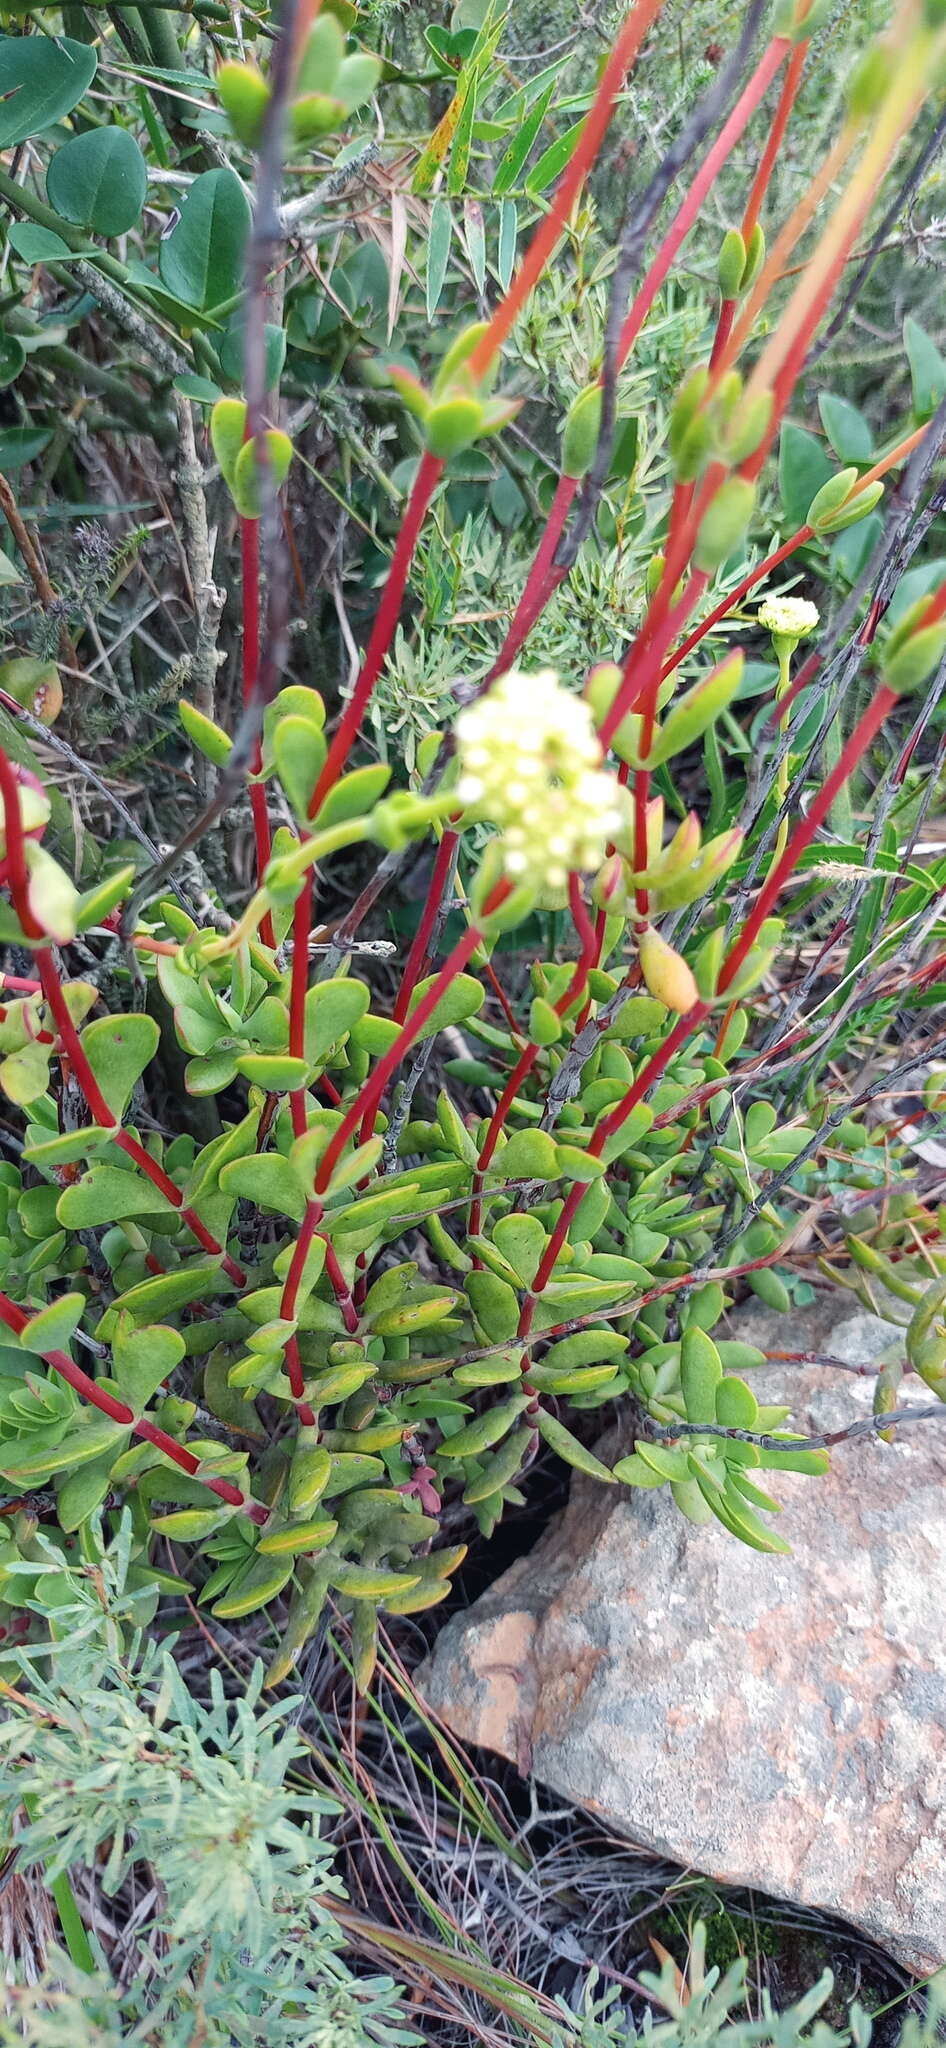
(530,764)
(791,618)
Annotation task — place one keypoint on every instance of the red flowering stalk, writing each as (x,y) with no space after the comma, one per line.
(544,577)
(16,1319)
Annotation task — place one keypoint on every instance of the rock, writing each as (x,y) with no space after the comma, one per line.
(778,1722)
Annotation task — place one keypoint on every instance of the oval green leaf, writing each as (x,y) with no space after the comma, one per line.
(99,180)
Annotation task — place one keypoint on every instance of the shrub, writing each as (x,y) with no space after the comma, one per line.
(242,1944)
(372,1288)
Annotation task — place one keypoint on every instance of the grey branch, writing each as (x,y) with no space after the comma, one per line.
(127,317)
(831,1123)
(865,1425)
(208,596)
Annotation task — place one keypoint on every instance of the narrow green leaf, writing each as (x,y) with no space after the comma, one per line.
(439,237)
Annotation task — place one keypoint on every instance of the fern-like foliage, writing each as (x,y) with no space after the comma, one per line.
(106,1746)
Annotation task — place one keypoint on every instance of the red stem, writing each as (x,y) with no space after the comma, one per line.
(527,1058)
(29,988)
(346,732)
(753,91)
(727,314)
(369,1095)
(540,581)
(776,135)
(298,990)
(635,27)
(99,1397)
(367,1099)
(287,1307)
(425,483)
(728,604)
(864,731)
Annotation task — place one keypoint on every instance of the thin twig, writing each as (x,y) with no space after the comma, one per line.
(831,1123)
(865,1425)
(904,192)
(209,598)
(35,567)
(54,740)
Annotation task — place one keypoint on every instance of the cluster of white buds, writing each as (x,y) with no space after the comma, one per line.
(530,764)
(789,618)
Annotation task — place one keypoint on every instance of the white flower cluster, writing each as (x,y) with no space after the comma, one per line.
(530,763)
(792,618)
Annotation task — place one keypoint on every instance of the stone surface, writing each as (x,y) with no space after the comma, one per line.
(778,1722)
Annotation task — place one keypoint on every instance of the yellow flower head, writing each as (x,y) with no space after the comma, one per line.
(789,618)
(530,764)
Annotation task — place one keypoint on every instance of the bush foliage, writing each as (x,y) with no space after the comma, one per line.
(304,1251)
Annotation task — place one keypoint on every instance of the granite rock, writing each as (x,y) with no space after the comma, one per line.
(778,1722)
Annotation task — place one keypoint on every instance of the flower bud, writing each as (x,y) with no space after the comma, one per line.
(453,424)
(912,662)
(314,115)
(665,972)
(600,691)
(869,83)
(731,264)
(746,428)
(609,888)
(725,523)
(755,257)
(227,431)
(671,860)
(52,895)
(912,617)
(693,448)
(456,356)
(244,96)
(727,396)
(581,432)
(856,508)
(356,80)
(655,827)
(654,575)
(244,483)
(688,883)
(686,406)
(830,498)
